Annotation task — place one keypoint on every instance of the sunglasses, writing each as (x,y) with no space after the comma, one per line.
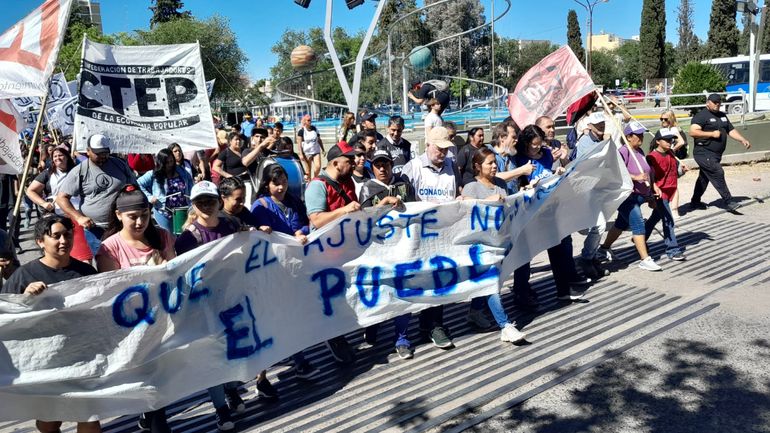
(664,119)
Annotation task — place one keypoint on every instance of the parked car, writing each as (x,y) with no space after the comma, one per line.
(633,96)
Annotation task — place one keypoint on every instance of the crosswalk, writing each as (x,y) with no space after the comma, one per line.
(454,390)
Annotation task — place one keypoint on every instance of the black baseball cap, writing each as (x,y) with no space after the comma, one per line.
(715,98)
(382,154)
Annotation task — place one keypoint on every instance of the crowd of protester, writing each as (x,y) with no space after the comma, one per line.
(99,211)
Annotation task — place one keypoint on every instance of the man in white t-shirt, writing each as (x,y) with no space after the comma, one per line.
(434,175)
(434,178)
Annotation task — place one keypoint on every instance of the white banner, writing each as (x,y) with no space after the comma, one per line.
(29,49)
(144,98)
(210,87)
(11,161)
(122,342)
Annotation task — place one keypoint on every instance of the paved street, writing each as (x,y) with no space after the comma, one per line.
(685,349)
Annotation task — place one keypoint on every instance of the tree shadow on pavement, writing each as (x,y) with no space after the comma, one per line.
(694,389)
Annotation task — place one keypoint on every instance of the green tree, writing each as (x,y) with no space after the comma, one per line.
(167,10)
(696,77)
(723,31)
(766,38)
(688,46)
(745,37)
(604,67)
(506,58)
(652,39)
(574,38)
(71,51)
(628,62)
(222,58)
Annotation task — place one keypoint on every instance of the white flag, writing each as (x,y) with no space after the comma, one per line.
(28,50)
(10,126)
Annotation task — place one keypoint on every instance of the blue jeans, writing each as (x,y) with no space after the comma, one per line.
(592,241)
(495,305)
(217,394)
(630,214)
(662,212)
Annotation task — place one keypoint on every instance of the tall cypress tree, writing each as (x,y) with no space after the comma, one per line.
(574,39)
(167,10)
(689,46)
(652,40)
(723,31)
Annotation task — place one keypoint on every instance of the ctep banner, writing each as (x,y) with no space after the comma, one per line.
(144,98)
(125,341)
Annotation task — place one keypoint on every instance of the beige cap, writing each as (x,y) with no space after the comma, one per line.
(439,136)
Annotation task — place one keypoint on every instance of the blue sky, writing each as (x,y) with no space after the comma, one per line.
(259,23)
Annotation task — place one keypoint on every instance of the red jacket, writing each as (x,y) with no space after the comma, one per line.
(334,198)
(141,162)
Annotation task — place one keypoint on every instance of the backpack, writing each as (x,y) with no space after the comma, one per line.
(439,85)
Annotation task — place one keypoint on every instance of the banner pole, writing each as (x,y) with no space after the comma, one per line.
(622,135)
(28,163)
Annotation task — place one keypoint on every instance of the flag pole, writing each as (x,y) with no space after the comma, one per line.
(28,163)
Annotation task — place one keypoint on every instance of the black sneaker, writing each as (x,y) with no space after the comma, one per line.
(440,338)
(143,423)
(404,352)
(732,205)
(234,401)
(698,205)
(266,390)
(224,420)
(588,268)
(341,350)
(580,281)
(370,335)
(154,421)
(304,370)
(527,302)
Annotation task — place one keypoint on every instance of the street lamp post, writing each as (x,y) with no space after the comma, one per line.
(589,7)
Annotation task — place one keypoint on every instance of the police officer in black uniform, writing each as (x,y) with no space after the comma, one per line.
(710,128)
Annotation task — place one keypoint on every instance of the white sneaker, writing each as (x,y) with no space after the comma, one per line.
(511,335)
(649,264)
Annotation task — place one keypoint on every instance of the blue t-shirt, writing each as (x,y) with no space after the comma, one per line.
(542,165)
(506,163)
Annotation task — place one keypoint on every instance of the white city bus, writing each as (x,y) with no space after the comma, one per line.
(736,71)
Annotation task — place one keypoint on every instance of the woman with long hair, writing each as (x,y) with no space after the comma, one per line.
(277,209)
(166,187)
(474,142)
(53,234)
(487,186)
(42,191)
(181,161)
(132,240)
(680,150)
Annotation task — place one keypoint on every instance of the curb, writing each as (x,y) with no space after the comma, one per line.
(735,159)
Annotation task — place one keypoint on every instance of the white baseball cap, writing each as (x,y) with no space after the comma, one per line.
(98,143)
(202,189)
(596,118)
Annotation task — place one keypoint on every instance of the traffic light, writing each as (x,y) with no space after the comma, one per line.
(353,3)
